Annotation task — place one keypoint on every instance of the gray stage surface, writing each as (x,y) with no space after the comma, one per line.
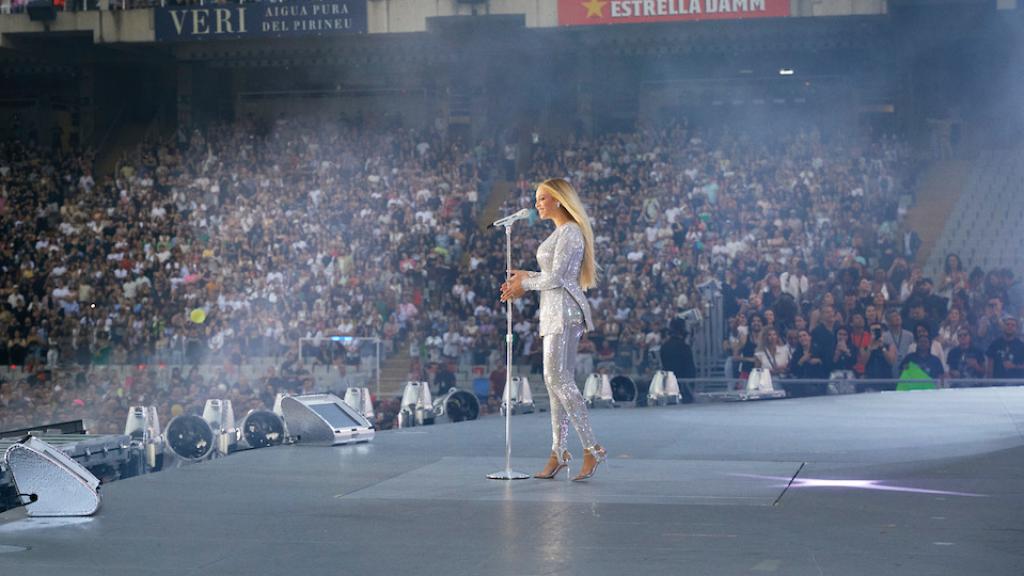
(934,484)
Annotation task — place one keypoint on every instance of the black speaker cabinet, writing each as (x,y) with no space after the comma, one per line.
(41,10)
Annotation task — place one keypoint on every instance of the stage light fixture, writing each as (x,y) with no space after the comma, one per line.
(359,399)
(417,408)
(624,389)
(457,405)
(220,415)
(597,391)
(49,482)
(143,427)
(520,396)
(759,386)
(189,437)
(664,389)
(261,428)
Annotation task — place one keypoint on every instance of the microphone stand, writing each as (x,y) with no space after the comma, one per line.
(506,401)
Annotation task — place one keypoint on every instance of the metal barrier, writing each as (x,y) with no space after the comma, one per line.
(707,336)
(726,388)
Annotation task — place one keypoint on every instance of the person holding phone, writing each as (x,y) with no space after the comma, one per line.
(877,365)
(965,360)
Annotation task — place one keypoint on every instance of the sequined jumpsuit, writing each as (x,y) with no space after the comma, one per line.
(564,315)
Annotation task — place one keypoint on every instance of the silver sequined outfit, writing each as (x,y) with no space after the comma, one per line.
(564,315)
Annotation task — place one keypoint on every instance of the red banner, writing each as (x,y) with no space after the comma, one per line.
(590,12)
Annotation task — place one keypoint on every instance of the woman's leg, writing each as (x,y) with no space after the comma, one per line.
(559,421)
(559,362)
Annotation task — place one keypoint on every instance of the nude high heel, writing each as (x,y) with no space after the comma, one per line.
(555,465)
(592,458)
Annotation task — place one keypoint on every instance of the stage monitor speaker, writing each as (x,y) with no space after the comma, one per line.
(41,10)
(53,483)
(324,419)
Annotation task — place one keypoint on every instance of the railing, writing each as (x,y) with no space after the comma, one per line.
(326,376)
(822,386)
(708,335)
(19,6)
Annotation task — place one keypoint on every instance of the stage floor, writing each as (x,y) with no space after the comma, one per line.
(915,483)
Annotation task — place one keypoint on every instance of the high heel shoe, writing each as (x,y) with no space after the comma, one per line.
(556,462)
(592,458)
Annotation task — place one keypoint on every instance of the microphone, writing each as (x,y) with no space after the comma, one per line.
(521,215)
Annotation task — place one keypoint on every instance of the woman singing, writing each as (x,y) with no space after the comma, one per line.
(567,267)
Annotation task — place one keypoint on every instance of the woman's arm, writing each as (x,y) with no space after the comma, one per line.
(568,243)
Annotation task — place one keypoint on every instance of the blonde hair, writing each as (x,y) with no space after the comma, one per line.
(567,196)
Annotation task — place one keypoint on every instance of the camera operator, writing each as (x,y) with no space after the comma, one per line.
(677,357)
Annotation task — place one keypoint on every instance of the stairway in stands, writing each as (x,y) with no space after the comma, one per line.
(394,373)
(984,225)
(939,189)
(123,138)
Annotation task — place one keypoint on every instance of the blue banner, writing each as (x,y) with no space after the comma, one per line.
(260,19)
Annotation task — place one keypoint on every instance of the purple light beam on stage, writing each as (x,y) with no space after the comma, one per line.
(858,484)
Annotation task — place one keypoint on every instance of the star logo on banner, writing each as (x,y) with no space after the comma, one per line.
(595,8)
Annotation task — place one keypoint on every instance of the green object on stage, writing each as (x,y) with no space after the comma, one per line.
(914,372)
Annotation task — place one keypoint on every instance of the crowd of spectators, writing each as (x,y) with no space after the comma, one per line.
(235,244)
(803,233)
(876,324)
(289,230)
(676,208)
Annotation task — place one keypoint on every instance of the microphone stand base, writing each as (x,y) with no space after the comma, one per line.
(508,474)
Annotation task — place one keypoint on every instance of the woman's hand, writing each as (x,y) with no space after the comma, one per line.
(513,288)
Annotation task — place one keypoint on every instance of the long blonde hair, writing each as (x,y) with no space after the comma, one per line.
(566,195)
